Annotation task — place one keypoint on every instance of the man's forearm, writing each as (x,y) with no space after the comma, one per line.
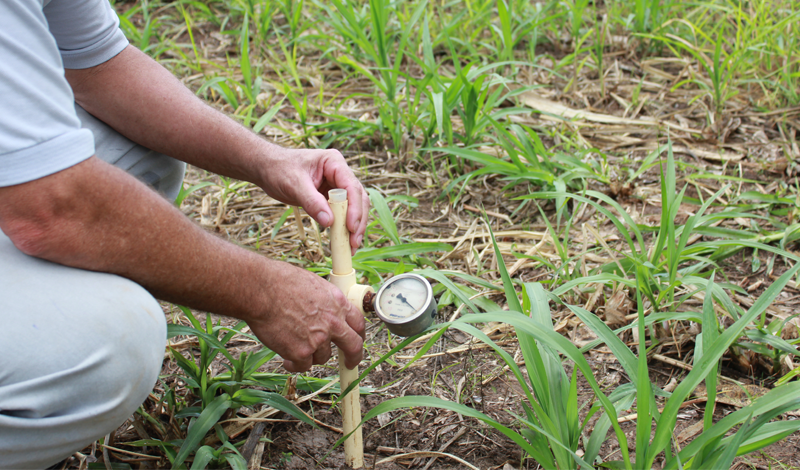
(96,217)
(143,101)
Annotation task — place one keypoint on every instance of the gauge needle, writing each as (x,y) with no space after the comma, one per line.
(403,299)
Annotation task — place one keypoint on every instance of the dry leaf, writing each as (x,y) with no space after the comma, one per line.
(290,389)
(734,395)
(535,101)
(617,307)
(690,432)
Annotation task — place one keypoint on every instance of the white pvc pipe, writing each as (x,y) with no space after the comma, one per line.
(342,263)
(344,277)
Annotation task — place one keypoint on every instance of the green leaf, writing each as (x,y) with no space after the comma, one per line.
(622,353)
(184,193)
(244,58)
(250,397)
(772,340)
(282,220)
(399,251)
(201,458)
(768,434)
(508,286)
(632,227)
(423,401)
(550,338)
(730,450)
(644,392)
(267,117)
(236,461)
(622,398)
(765,198)
(502,167)
(614,464)
(385,216)
(176,330)
(198,429)
(709,334)
(442,278)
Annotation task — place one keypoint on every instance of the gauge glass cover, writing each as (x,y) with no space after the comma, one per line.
(404,298)
(406,304)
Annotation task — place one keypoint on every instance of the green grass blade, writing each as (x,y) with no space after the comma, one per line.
(623,398)
(251,397)
(207,419)
(385,216)
(622,353)
(502,167)
(175,330)
(732,447)
(244,58)
(625,231)
(508,286)
(202,457)
(768,434)
(667,205)
(644,391)
(548,337)
(399,251)
(281,220)
(236,461)
(267,117)
(709,335)
(776,401)
(547,376)
(442,278)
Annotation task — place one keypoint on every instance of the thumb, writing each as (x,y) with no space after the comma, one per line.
(317,207)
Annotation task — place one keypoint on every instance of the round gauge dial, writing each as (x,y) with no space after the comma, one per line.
(406,304)
(403,298)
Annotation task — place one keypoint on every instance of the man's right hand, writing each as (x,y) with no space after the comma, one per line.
(304,315)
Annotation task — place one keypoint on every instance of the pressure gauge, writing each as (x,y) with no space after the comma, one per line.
(406,304)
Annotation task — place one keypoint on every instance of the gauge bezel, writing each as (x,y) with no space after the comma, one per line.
(412,324)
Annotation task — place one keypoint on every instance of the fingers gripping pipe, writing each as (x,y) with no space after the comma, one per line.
(343,276)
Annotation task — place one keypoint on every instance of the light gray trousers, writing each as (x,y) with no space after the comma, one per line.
(79,350)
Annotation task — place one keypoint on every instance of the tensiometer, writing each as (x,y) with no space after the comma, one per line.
(406,304)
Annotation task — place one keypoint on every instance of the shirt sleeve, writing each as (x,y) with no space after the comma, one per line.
(86,31)
(40,134)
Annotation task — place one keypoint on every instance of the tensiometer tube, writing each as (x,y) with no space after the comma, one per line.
(344,277)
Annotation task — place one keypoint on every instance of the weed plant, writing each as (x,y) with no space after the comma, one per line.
(216,395)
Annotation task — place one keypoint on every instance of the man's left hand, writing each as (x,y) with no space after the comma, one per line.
(303,177)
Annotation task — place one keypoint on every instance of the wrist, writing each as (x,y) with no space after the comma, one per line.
(262,158)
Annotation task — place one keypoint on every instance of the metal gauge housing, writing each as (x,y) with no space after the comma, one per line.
(406,304)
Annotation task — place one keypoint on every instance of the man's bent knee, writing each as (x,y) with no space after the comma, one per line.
(79,352)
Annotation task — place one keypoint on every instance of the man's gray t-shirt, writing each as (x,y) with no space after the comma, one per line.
(40,134)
